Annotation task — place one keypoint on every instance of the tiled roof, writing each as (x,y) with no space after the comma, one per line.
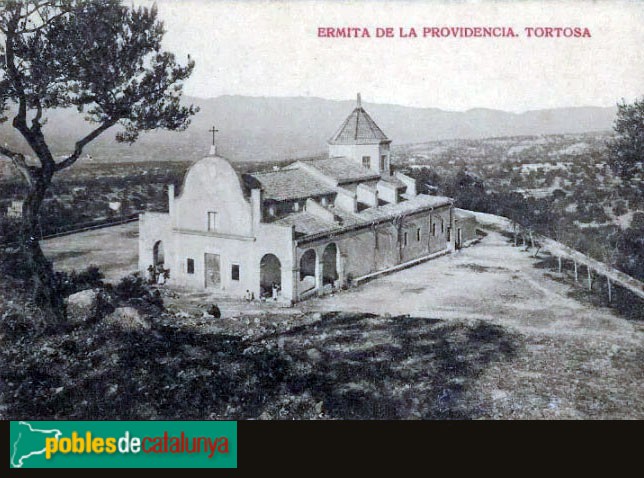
(305,223)
(394,180)
(404,207)
(343,170)
(308,224)
(290,184)
(461,214)
(359,128)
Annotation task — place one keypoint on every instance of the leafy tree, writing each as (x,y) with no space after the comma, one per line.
(100,57)
(626,150)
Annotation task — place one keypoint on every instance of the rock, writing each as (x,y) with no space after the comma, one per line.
(81,305)
(127,318)
(314,355)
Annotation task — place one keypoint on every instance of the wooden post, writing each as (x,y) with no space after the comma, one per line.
(559,261)
(576,275)
(590,278)
(610,291)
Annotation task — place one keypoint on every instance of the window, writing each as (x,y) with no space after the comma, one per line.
(433,227)
(449,234)
(418,234)
(212,220)
(296,206)
(442,227)
(366,161)
(234,272)
(405,239)
(190,266)
(383,162)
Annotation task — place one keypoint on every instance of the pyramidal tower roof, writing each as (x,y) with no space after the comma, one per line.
(359,128)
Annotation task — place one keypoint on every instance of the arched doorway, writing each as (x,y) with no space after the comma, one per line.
(307,271)
(330,264)
(270,275)
(158,256)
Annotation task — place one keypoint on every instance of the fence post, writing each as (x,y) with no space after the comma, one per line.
(576,276)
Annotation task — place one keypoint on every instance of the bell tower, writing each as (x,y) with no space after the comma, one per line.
(361,139)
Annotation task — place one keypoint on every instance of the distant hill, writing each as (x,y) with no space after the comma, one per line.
(258,129)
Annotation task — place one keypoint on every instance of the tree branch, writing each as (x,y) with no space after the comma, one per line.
(78,150)
(20,163)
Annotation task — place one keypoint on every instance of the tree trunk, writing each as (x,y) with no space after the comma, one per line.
(38,267)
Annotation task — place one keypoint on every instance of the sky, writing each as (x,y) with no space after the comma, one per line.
(272,48)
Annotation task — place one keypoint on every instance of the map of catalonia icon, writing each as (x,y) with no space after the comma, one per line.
(29,442)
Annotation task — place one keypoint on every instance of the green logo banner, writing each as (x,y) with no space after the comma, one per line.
(123,444)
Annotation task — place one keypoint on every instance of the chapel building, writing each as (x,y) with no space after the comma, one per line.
(311,227)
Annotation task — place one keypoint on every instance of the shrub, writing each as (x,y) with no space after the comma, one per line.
(70,283)
(131,287)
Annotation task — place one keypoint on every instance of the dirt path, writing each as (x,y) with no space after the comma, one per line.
(491,281)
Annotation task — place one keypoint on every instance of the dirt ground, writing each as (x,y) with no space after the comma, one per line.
(114,249)
(568,359)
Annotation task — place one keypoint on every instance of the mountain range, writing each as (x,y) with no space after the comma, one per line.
(269,129)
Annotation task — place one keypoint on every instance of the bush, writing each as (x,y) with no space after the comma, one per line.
(67,284)
(131,287)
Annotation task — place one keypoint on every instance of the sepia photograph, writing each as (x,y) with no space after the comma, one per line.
(321,210)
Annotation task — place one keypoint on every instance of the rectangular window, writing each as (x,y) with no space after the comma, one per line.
(212,220)
(418,234)
(434,229)
(366,161)
(405,239)
(442,227)
(383,162)
(234,272)
(449,234)
(190,266)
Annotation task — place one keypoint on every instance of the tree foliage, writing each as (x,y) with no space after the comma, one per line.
(626,150)
(98,56)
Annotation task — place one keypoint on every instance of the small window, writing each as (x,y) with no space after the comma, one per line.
(383,162)
(449,234)
(432,226)
(366,161)
(405,239)
(234,272)
(212,220)
(442,227)
(418,234)
(190,266)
